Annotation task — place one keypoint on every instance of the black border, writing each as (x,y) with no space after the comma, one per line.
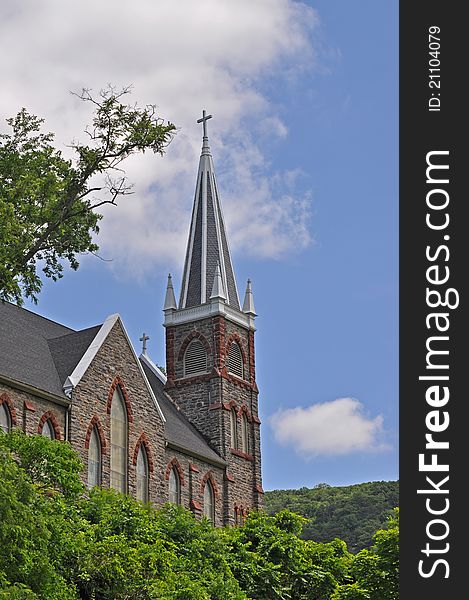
(422,131)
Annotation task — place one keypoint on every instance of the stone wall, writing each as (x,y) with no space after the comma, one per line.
(29,411)
(115,365)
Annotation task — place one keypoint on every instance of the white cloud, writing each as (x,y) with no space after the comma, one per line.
(331,428)
(183,56)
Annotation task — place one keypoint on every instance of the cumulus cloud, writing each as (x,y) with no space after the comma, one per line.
(329,428)
(183,56)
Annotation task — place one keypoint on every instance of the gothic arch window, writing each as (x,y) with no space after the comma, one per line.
(235,360)
(174,487)
(48,430)
(143,477)
(119,442)
(94,459)
(195,358)
(234,428)
(209,502)
(244,434)
(5,418)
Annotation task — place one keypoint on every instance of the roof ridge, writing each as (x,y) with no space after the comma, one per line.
(74,332)
(38,315)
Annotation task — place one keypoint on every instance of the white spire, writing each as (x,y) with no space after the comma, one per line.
(207,244)
(218,289)
(170,299)
(248,304)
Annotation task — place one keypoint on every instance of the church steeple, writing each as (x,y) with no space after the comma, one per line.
(207,246)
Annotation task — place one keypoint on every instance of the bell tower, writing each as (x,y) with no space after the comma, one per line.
(210,346)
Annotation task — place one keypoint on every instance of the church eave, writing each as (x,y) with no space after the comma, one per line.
(25,387)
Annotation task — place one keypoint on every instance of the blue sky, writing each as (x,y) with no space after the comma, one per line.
(304,138)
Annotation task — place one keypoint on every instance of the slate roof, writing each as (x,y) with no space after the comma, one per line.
(207,245)
(37,351)
(179,430)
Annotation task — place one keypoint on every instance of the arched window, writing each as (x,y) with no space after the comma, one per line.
(174,487)
(48,430)
(142,474)
(233,429)
(235,360)
(195,358)
(94,459)
(5,418)
(118,443)
(244,434)
(209,502)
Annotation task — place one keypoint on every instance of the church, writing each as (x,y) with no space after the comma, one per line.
(190,436)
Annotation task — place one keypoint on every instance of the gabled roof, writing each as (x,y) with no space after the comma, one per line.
(179,430)
(208,244)
(48,356)
(25,351)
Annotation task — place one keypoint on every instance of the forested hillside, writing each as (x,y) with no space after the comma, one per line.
(351,513)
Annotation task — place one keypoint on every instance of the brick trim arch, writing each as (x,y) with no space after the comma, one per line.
(5,398)
(119,383)
(235,337)
(193,335)
(209,477)
(49,415)
(245,409)
(174,464)
(95,422)
(143,439)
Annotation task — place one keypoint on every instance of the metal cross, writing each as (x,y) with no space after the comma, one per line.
(204,120)
(144,339)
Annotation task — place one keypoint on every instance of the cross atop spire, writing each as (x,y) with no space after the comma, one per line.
(144,340)
(204,120)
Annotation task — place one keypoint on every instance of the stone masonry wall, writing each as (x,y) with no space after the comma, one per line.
(29,411)
(115,364)
(193,473)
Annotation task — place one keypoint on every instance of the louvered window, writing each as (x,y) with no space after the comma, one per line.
(195,359)
(235,360)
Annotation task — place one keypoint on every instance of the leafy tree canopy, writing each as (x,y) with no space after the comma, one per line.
(49,206)
(60,541)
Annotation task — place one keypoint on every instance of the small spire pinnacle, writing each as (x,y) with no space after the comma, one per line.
(248,304)
(170,299)
(144,340)
(217,289)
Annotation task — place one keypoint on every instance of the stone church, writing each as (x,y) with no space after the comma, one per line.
(190,436)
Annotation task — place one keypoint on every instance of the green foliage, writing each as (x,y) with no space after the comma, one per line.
(50,464)
(61,541)
(48,204)
(351,513)
(377,569)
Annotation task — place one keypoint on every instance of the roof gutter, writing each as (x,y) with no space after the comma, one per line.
(221,463)
(25,387)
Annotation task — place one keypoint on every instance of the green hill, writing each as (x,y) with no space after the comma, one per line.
(352,513)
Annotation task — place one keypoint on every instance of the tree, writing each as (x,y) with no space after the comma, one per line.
(48,204)
(377,569)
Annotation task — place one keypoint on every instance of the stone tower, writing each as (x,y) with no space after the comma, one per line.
(210,347)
